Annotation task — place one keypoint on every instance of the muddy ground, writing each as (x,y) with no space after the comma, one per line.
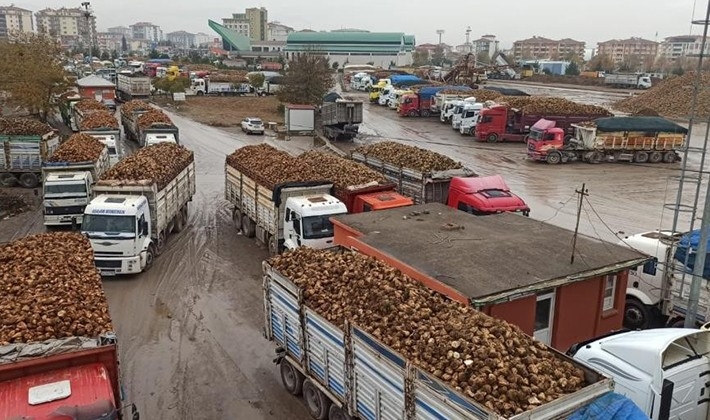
(226,111)
(190,329)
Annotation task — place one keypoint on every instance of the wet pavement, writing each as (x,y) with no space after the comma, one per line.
(190,329)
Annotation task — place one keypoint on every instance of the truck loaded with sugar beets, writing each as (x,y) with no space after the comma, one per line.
(379,346)
(512,121)
(59,361)
(103,126)
(25,144)
(428,177)
(419,103)
(136,205)
(614,139)
(84,108)
(132,86)
(147,125)
(68,177)
(286,202)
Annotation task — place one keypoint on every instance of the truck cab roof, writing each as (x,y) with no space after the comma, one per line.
(385,200)
(316,205)
(488,194)
(67,177)
(120,205)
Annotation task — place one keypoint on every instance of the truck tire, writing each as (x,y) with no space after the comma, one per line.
(670,157)
(8,180)
(160,246)
(595,157)
(337,413)
(149,257)
(425,113)
(29,180)
(318,404)
(179,222)
(412,113)
(248,228)
(553,158)
(637,316)
(291,378)
(655,157)
(641,157)
(272,245)
(200,93)
(492,138)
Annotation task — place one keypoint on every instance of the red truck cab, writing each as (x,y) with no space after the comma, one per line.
(80,384)
(493,124)
(484,195)
(373,198)
(544,137)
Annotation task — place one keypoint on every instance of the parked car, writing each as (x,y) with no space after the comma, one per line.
(252,125)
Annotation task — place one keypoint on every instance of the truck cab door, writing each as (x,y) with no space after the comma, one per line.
(292,229)
(691,390)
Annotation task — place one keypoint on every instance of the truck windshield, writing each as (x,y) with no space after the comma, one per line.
(469,114)
(316,227)
(64,188)
(108,224)
(536,135)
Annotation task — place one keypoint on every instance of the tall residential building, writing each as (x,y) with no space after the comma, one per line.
(486,43)
(109,41)
(70,26)
(202,39)
(545,48)
(122,30)
(675,47)
(146,31)
(621,49)
(15,20)
(278,31)
(181,39)
(252,23)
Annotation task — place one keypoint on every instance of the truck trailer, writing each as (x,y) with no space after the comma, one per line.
(340,119)
(346,372)
(502,123)
(132,86)
(614,139)
(22,156)
(201,87)
(128,221)
(67,187)
(419,103)
(633,81)
(112,139)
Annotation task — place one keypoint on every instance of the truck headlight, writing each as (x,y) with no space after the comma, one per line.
(48,210)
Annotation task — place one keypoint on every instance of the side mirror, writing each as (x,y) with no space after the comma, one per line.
(135,415)
(666,400)
(73,224)
(144,227)
(288,215)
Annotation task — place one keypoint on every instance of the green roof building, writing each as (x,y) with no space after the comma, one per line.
(231,40)
(354,47)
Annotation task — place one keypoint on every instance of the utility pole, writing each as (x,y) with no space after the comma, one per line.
(581,193)
(89,30)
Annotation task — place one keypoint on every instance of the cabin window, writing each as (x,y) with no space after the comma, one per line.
(487,119)
(650,267)
(366,207)
(609,292)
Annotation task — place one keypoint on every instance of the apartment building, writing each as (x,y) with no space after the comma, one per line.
(181,39)
(70,26)
(203,38)
(278,31)
(253,23)
(675,47)
(146,31)
(486,43)
(15,20)
(620,50)
(109,41)
(122,30)
(544,48)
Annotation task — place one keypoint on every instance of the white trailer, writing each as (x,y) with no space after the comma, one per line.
(132,86)
(21,158)
(634,81)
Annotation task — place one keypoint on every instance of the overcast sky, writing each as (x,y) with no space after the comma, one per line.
(585,20)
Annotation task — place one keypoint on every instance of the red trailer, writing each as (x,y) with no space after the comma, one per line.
(372,197)
(502,123)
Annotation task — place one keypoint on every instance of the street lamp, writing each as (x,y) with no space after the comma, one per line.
(87,15)
(440,32)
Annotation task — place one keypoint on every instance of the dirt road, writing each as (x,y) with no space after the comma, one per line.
(190,329)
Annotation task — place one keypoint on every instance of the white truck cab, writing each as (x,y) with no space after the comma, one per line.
(447,110)
(665,371)
(114,147)
(469,117)
(65,194)
(119,229)
(155,138)
(457,112)
(385,95)
(307,221)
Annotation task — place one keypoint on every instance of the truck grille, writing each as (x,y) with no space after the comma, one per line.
(66,210)
(108,263)
(107,253)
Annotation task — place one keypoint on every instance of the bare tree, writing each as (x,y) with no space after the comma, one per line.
(308,79)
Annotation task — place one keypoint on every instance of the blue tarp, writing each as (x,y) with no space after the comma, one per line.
(611,406)
(692,238)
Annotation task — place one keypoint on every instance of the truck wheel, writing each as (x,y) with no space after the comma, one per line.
(159,247)
(29,180)
(273,246)
(149,257)
(237,218)
(8,180)
(670,157)
(636,315)
(655,157)
(248,227)
(179,222)
(553,158)
(595,157)
(337,413)
(641,157)
(291,378)
(412,113)
(492,138)
(317,403)
(425,113)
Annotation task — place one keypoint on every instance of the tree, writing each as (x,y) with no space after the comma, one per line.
(630,63)
(601,62)
(572,69)
(179,84)
(114,55)
(256,80)
(124,44)
(153,54)
(104,56)
(420,58)
(31,72)
(95,52)
(307,80)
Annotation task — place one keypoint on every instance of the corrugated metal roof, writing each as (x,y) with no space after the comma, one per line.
(346,38)
(94,81)
(238,41)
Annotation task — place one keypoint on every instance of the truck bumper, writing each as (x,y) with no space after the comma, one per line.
(118,266)
(536,156)
(62,219)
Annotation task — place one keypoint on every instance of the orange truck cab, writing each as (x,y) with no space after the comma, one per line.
(545,137)
(372,197)
(485,195)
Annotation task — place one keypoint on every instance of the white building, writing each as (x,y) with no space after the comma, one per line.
(108,41)
(252,23)
(122,30)
(487,43)
(15,20)
(278,31)
(681,46)
(202,39)
(146,31)
(181,39)
(70,26)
